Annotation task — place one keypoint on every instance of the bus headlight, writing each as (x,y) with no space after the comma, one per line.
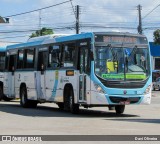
(98,88)
(148,89)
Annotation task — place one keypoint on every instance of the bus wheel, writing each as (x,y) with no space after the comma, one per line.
(24,102)
(23,97)
(119,109)
(74,108)
(1,93)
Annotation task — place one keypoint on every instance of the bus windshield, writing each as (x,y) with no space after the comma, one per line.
(122,63)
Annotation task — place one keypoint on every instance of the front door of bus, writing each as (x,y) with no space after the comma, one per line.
(83,73)
(40,78)
(11,79)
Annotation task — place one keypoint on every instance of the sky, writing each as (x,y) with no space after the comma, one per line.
(95,15)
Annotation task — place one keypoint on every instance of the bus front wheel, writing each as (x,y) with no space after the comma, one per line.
(119,109)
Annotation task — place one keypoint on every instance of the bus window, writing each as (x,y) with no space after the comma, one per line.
(69,55)
(42,60)
(30,56)
(20,63)
(54,56)
(12,60)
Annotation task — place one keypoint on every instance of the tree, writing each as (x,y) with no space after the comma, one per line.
(43,31)
(156,35)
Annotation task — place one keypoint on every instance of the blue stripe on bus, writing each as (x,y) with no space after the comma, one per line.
(55,88)
(2,49)
(55,84)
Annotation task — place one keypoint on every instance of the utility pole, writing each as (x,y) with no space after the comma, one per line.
(140,31)
(77,19)
(40,32)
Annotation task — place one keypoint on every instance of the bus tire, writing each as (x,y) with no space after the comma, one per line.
(69,104)
(1,93)
(24,102)
(119,109)
(74,108)
(23,97)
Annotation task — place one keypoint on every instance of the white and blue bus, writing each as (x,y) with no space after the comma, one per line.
(2,67)
(89,69)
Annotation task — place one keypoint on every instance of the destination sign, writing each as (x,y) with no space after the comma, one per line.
(117,39)
(120,39)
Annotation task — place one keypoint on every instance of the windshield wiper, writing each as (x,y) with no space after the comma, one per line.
(133,52)
(113,53)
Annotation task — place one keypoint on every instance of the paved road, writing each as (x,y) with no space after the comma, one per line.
(47,119)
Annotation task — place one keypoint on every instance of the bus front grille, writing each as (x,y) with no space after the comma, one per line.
(118,100)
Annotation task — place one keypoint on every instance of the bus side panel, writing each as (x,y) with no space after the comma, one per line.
(27,78)
(55,83)
(50,80)
(97,97)
(73,80)
(6,86)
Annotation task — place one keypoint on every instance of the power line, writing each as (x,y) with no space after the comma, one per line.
(151,11)
(73,8)
(14,37)
(10,42)
(39,9)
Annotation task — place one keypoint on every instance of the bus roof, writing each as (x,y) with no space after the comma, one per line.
(57,38)
(49,39)
(2,49)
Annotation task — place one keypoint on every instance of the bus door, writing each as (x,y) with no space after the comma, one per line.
(10,76)
(83,61)
(41,75)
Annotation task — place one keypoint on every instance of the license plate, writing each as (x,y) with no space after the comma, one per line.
(125,102)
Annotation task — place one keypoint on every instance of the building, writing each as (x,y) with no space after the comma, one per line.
(155,53)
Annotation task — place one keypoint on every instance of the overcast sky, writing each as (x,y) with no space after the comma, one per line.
(95,15)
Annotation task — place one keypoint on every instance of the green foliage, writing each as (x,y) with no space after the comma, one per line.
(42,32)
(156,35)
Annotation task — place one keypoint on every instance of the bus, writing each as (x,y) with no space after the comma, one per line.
(2,66)
(94,69)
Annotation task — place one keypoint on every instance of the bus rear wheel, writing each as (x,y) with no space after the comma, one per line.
(119,109)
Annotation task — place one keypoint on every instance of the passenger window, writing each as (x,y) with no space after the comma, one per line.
(69,55)
(30,56)
(20,63)
(54,56)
